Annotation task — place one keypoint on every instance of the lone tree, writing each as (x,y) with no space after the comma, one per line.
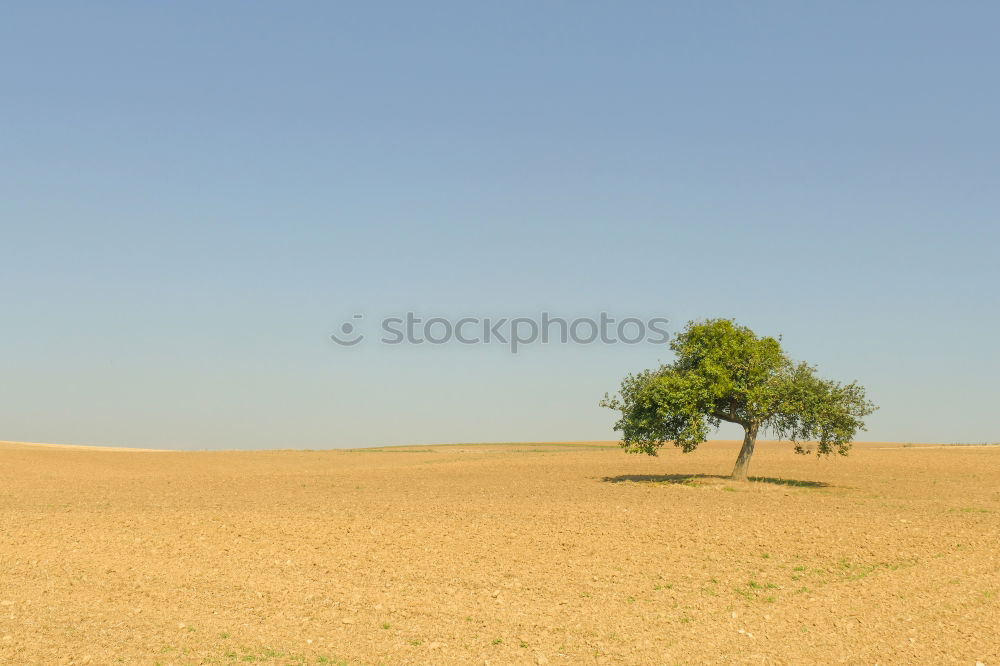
(724,372)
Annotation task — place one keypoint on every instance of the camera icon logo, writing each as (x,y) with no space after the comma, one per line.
(348,331)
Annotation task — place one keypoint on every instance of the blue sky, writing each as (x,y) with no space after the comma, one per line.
(194,196)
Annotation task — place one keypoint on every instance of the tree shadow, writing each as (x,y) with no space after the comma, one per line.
(693,479)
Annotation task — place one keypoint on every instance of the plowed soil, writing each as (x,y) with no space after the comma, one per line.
(499,554)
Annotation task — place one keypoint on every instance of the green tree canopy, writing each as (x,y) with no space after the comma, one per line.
(725,372)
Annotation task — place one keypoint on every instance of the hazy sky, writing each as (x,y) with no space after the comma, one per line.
(194,196)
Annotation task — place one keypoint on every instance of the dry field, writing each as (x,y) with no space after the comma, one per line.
(499,554)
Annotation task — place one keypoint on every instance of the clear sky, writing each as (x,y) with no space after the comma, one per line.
(193,196)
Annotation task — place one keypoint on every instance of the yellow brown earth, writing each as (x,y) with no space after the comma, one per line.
(499,554)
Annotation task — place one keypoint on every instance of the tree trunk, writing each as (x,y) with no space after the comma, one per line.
(743,462)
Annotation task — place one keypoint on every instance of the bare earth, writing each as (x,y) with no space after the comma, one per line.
(499,554)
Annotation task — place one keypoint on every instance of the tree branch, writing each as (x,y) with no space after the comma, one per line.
(728,416)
